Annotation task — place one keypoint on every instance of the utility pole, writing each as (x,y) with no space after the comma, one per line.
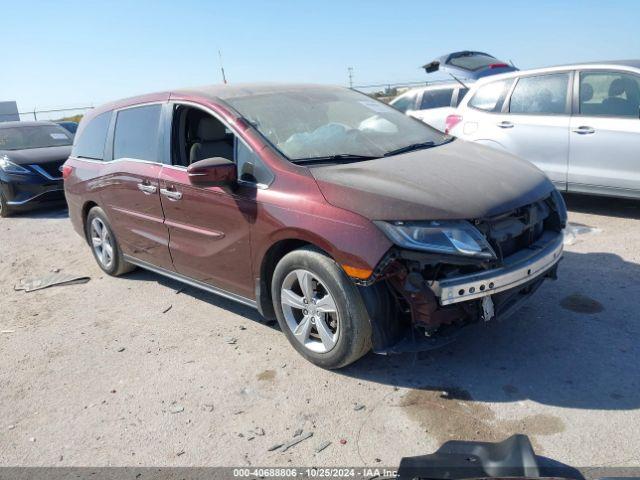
(350,69)
(224,78)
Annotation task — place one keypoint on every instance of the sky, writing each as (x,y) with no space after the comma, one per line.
(72,53)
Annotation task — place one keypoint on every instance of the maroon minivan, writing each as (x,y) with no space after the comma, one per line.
(355,226)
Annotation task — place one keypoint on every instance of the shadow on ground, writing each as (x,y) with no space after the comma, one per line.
(574,345)
(58,211)
(612,207)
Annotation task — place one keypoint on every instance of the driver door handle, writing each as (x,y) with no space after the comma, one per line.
(147,188)
(505,124)
(171,194)
(584,130)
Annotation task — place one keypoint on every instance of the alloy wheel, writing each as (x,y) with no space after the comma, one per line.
(310,311)
(102,242)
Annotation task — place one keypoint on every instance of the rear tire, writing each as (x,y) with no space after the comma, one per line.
(104,245)
(323,315)
(5,210)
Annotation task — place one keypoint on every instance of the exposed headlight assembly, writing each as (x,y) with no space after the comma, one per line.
(446,237)
(10,167)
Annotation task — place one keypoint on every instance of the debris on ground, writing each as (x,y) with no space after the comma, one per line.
(55,270)
(32,439)
(8,331)
(11,427)
(230,340)
(176,408)
(343,441)
(296,441)
(358,406)
(208,407)
(50,280)
(322,446)
(259,431)
(167,309)
(179,290)
(275,447)
(242,327)
(297,433)
(180,453)
(121,349)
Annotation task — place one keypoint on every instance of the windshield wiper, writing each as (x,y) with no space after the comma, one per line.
(410,148)
(335,158)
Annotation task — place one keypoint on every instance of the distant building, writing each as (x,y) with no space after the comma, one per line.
(9,112)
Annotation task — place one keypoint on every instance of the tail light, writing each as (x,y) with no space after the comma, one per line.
(66,171)
(450,122)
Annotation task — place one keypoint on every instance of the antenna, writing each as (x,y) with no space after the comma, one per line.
(224,78)
(350,69)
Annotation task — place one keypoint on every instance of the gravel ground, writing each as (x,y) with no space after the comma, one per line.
(103,374)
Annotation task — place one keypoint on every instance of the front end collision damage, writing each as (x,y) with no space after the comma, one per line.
(419,301)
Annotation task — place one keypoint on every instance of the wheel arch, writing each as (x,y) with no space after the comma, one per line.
(270,259)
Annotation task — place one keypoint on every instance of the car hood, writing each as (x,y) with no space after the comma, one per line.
(36,156)
(458,180)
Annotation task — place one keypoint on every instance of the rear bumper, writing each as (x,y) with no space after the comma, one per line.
(521,268)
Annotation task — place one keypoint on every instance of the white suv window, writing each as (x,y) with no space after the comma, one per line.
(609,94)
(490,97)
(540,95)
(436,98)
(404,103)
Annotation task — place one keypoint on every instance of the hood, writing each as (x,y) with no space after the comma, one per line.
(458,180)
(36,156)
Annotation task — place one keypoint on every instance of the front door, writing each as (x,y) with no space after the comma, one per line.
(605,134)
(209,227)
(131,180)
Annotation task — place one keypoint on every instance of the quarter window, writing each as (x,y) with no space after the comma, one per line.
(404,103)
(541,95)
(609,94)
(91,141)
(490,97)
(136,133)
(436,98)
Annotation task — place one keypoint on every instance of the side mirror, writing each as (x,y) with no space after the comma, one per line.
(212,172)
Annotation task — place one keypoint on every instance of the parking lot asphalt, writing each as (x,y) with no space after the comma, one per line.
(142,371)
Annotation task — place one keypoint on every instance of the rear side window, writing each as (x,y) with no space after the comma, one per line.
(436,98)
(404,103)
(93,137)
(490,97)
(136,133)
(542,95)
(609,94)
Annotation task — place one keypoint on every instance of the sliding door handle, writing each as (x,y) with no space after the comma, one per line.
(505,124)
(147,188)
(171,194)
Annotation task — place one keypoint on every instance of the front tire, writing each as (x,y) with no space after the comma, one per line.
(104,245)
(320,309)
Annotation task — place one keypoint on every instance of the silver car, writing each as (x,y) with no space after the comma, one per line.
(580,124)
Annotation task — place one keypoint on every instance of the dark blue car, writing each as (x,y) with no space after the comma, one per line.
(31,154)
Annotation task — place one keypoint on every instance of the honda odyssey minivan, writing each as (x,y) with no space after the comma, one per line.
(355,226)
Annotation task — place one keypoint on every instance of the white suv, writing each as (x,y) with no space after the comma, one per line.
(431,104)
(580,124)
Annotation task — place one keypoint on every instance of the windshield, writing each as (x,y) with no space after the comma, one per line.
(33,136)
(327,122)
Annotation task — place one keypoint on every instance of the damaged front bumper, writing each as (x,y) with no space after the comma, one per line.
(439,310)
(520,268)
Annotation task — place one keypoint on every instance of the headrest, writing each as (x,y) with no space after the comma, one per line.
(210,130)
(617,87)
(586,92)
